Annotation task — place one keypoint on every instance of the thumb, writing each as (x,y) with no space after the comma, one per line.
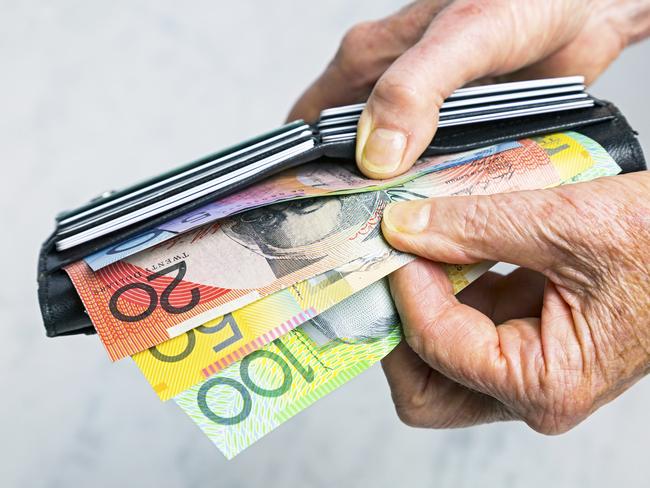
(454,339)
(526,228)
(469,39)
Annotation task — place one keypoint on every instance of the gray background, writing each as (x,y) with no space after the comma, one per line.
(96,95)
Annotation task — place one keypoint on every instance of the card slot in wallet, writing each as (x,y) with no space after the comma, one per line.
(501,92)
(348,132)
(515,86)
(207,186)
(213,168)
(349,121)
(113,195)
(187,185)
(220,161)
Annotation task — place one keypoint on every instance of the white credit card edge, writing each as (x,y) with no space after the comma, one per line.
(179,175)
(488,117)
(481,90)
(516,113)
(179,199)
(502,97)
(340,121)
(512,105)
(512,96)
(185,197)
(112,211)
(518,85)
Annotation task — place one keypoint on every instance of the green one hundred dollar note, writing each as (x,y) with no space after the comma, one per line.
(250,398)
(245,401)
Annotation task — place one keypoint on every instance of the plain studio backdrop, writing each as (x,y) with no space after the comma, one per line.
(96,95)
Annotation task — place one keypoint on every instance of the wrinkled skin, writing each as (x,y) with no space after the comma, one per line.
(574,326)
(569,330)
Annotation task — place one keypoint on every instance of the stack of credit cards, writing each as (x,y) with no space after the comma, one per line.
(117,210)
(259,157)
(477,104)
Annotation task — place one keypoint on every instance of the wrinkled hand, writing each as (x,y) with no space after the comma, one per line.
(553,341)
(548,344)
(419,56)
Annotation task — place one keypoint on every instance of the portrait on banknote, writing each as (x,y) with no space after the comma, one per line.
(290,235)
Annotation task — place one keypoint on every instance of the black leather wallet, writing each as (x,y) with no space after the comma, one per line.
(63,312)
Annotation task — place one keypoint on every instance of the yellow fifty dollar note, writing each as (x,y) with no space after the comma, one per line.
(181,362)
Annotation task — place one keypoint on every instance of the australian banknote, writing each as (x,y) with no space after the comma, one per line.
(252,397)
(247,400)
(181,362)
(165,291)
(322,178)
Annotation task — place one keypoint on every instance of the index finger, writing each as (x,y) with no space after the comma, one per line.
(468,40)
(366,51)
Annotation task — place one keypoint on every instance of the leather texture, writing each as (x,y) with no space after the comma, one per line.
(64,314)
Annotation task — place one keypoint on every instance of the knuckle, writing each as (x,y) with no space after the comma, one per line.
(358,36)
(358,50)
(587,253)
(395,89)
(557,416)
(476,219)
(411,405)
(409,416)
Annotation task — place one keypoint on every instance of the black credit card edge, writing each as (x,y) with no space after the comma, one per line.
(229,162)
(187,195)
(197,162)
(56,259)
(130,208)
(495,107)
(576,89)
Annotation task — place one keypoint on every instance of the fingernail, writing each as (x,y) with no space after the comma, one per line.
(383,151)
(363,131)
(408,217)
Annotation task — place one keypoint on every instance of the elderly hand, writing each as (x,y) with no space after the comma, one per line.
(568,332)
(548,344)
(419,56)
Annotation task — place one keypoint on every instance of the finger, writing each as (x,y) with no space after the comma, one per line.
(515,295)
(527,228)
(425,398)
(364,54)
(520,363)
(597,45)
(469,39)
(455,339)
